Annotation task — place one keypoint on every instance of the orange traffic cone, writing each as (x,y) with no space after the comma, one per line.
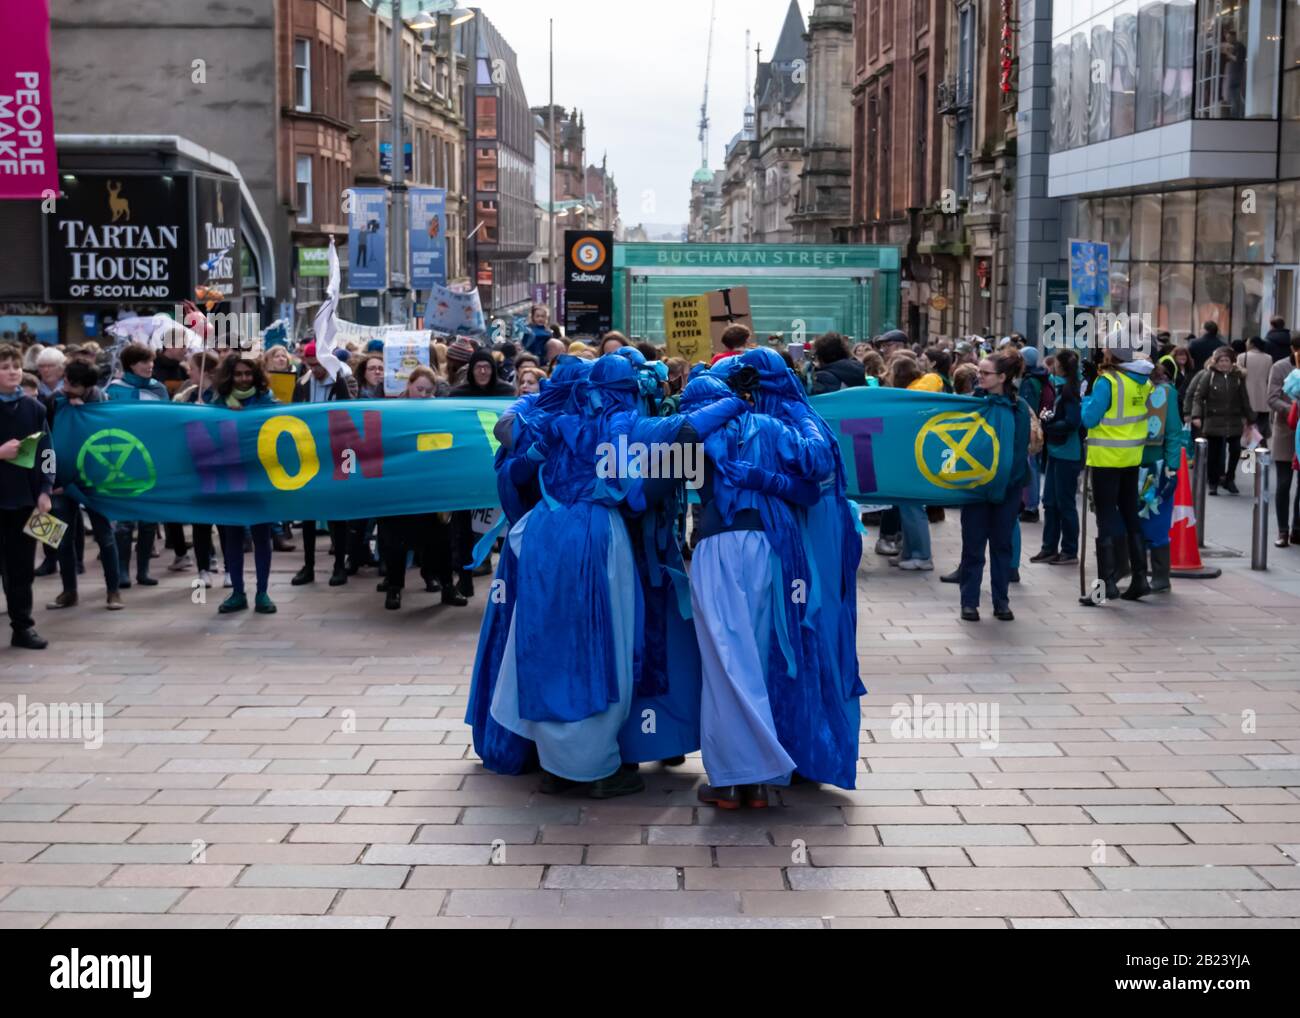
(1184,556)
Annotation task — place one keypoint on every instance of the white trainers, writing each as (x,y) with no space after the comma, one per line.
(923,565)
(181,562)
(205,577)
(226,581)
(884,547)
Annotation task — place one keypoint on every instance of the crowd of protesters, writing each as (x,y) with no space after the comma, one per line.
(1071,413)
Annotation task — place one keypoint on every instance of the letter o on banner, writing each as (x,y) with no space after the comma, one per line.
(308,462)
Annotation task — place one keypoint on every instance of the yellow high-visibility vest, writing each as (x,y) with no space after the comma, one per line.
(1118,440)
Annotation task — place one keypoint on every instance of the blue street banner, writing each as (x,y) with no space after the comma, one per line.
(1089,274)
(361,459)
(428,237)
(926,448)
(368,239)
(367,458)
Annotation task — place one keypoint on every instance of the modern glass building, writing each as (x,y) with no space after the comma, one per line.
(1175,137)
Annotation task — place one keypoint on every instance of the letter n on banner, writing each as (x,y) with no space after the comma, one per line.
(367,446)
(861,429)
(212,458)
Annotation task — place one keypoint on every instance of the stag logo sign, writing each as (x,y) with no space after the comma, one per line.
(120,239)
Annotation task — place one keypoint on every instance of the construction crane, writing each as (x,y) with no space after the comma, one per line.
(704,106)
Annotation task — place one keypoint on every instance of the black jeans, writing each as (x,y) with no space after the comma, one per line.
(125,531)
(67,509)
(18,559)
(338,535)
(1115,494)
(1224,455)
(992,524)
(425,535)
(232,543)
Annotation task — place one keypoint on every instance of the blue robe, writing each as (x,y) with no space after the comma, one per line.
(807,709)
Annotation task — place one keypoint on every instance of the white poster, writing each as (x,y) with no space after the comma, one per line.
(403,353)
(454,313)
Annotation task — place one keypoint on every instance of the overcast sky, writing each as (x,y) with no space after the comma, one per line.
(636,70)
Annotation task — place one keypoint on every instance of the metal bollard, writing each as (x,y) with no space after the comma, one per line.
(1259,511)
(1200,481)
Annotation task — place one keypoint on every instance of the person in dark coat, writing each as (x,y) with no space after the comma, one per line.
(1277,341)
(836,367)
(21,490)
(1204,345)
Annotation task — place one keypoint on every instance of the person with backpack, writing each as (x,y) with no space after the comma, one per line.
(1220,410)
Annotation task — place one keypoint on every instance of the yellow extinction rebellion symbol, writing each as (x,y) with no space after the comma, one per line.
(960,470)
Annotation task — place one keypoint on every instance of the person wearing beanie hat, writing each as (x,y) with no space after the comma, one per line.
(1036,390)
(375,346)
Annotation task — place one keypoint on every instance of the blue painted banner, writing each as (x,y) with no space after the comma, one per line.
(428,237)
(367,458)
(368,239)
(934,449)
(171,461)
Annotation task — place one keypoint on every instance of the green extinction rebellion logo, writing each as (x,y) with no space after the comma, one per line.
(116,463)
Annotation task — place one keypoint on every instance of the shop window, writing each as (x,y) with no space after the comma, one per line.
(1146,227)
(1123,70)
(1144,290)
(1214,225)
(1255,222)
(1099,82)
(1180,43)
(1213,294)
(1176,299)
(1178,226)
(1150,64)
(1247,301)
(1237,56)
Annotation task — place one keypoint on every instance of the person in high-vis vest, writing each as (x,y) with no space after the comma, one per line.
(1115,414)
(1161,456)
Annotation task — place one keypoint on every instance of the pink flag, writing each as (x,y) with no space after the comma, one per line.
(28,165)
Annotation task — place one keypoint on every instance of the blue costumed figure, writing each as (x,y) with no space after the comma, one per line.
(500,749)
(664,723)
(833,542)
(567,671)
(764,714)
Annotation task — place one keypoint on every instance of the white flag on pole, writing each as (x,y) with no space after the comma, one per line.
(324,326)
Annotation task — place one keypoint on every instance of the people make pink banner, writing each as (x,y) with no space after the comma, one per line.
(28,164)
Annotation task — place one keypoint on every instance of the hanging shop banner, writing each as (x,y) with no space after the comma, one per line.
(219,250)
(174,461)
(28,165)
(589,282)
(428,237)
(454,313)
(1089,274)
(117,238)
(368,239)
(403,353)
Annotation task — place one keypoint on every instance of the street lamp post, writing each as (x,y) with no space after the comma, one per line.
(399,222)
(398,218)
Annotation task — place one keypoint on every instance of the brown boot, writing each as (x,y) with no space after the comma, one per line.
(114,602)
(68,599)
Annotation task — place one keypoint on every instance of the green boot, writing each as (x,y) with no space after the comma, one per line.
(234,603)
(263,604)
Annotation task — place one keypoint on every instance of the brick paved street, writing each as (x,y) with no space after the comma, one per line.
(320,758)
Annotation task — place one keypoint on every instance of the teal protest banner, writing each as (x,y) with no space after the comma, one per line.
(904,446)
(369,458)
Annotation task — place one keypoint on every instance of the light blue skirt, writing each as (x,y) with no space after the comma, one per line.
(731,594)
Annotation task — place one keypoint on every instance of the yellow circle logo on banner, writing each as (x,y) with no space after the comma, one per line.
(955,431)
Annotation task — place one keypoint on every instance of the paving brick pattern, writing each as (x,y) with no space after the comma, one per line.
(311,770)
